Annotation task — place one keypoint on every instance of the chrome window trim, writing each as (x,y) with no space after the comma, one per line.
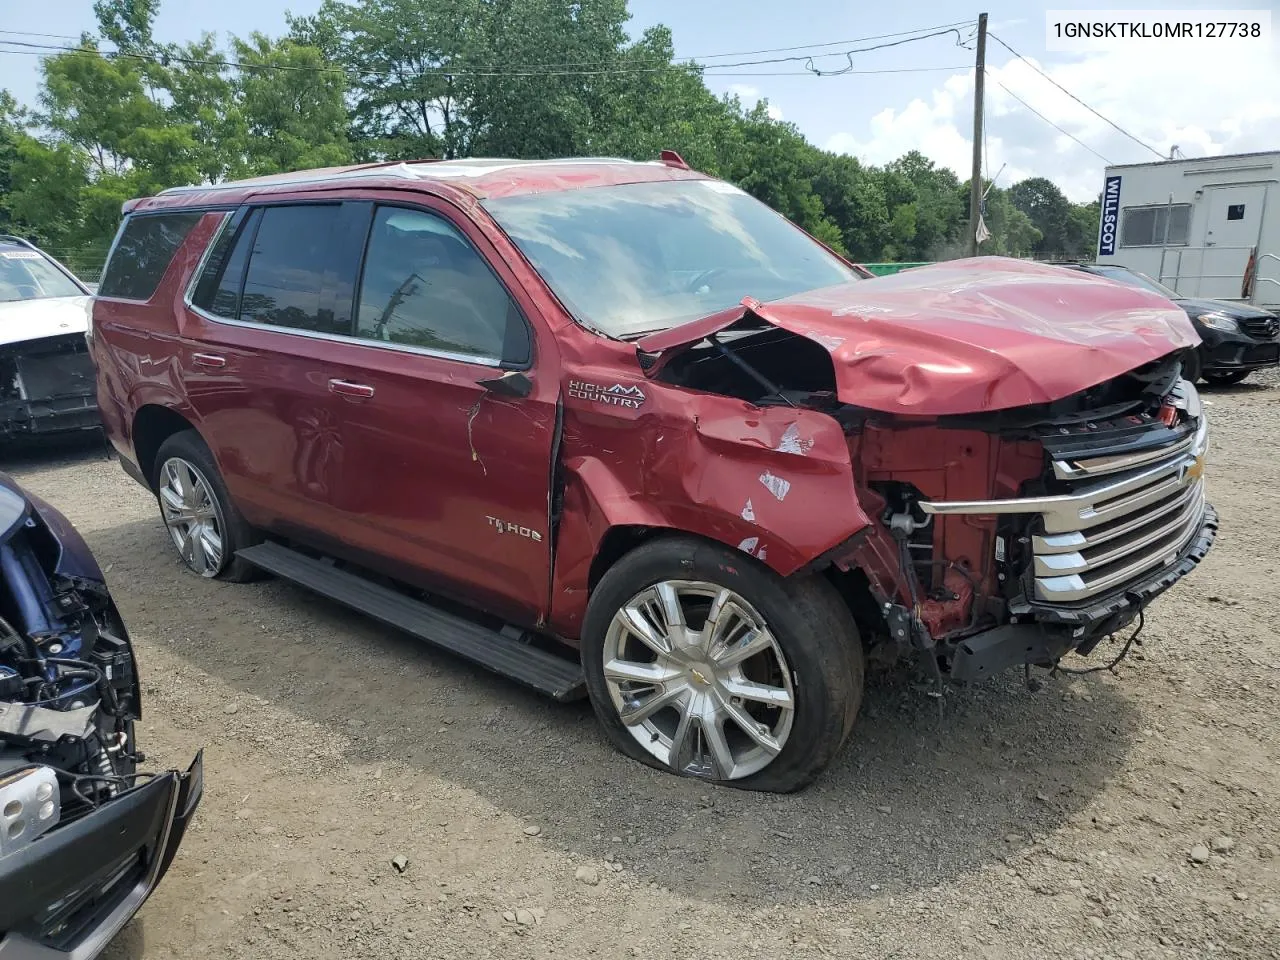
(477,361)
(204,258)
(474,359)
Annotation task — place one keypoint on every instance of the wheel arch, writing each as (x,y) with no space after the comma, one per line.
(153,424)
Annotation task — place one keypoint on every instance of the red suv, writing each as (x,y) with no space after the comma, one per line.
(617,428)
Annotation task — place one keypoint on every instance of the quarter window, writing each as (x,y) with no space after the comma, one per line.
(142,253)
(1146,226)
(218,290)
(425,286)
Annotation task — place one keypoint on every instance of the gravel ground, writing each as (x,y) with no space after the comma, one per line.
(1103,816)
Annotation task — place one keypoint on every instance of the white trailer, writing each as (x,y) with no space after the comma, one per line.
(1208,227)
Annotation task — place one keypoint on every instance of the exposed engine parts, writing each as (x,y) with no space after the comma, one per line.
(67,693)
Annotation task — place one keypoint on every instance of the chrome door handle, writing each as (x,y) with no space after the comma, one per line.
(345,388)
(208,360)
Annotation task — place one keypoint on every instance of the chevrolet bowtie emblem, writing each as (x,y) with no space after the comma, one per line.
(1192,471)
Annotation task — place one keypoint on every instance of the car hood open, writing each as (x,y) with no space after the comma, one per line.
(967,336)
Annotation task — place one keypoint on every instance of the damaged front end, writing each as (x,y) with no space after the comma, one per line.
(1031,484)
(84,837)
(47,386)
(1041,532)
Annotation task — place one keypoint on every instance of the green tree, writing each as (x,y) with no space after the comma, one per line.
(939,213)
(1084,228)
(1012,232)
(853,198)
(11,118)
(46,187)
(127,23)
(775,164)
(1049,211)
(289,105)
(372,79)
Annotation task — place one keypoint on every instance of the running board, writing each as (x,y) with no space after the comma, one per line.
(557,677)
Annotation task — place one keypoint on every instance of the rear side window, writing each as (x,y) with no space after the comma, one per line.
(142,253)
(291,267)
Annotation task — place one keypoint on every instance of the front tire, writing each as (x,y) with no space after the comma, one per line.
(701,662)
(1227,378)
(203,522)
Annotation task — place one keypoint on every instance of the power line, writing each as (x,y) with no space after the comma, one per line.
(830,43)
(745,73)
(588,63)
(167,58)
(28,33)
(1047,120)
(1117,126)
(749,73)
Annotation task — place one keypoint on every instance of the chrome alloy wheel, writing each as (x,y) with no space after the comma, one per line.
(192,514)
(699,680)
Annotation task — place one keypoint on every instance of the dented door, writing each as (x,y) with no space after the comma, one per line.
(443,481)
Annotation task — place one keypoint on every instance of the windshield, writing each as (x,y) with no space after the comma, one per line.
(1133,278)
(27,275)
(644,257)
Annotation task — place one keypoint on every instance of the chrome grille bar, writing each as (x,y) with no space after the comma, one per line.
(1125,516)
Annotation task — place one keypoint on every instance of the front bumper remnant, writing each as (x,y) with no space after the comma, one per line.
(1047,632)
(66,895)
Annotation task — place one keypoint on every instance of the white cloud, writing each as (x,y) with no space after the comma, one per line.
(750,96)
(1205,107)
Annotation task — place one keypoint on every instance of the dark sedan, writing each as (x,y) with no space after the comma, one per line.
(1236,338)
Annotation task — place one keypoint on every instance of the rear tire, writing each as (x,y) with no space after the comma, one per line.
(1226,379)
(723,670)
(199,514)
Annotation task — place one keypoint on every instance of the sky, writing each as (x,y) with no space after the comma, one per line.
(1207,99)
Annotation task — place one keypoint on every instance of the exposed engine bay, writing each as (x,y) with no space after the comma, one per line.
(68,692)
(84,837)
(46,386)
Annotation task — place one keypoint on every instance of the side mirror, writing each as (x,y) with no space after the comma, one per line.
(513,383)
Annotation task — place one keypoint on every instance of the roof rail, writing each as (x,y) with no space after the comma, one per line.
(12,238)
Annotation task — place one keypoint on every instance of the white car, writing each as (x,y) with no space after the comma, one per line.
(46,376)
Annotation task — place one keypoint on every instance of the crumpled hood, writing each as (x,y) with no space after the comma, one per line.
(987,333)
(45,317)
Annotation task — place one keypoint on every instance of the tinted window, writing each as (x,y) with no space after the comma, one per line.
(425,286)
(142,253)
(1146,226)
(218,290)
(26,274)
(293,252)
(1235,211)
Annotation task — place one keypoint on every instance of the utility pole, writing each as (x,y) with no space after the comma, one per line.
(975,182)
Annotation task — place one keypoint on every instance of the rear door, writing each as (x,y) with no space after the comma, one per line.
(1232,223)
(272,299)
